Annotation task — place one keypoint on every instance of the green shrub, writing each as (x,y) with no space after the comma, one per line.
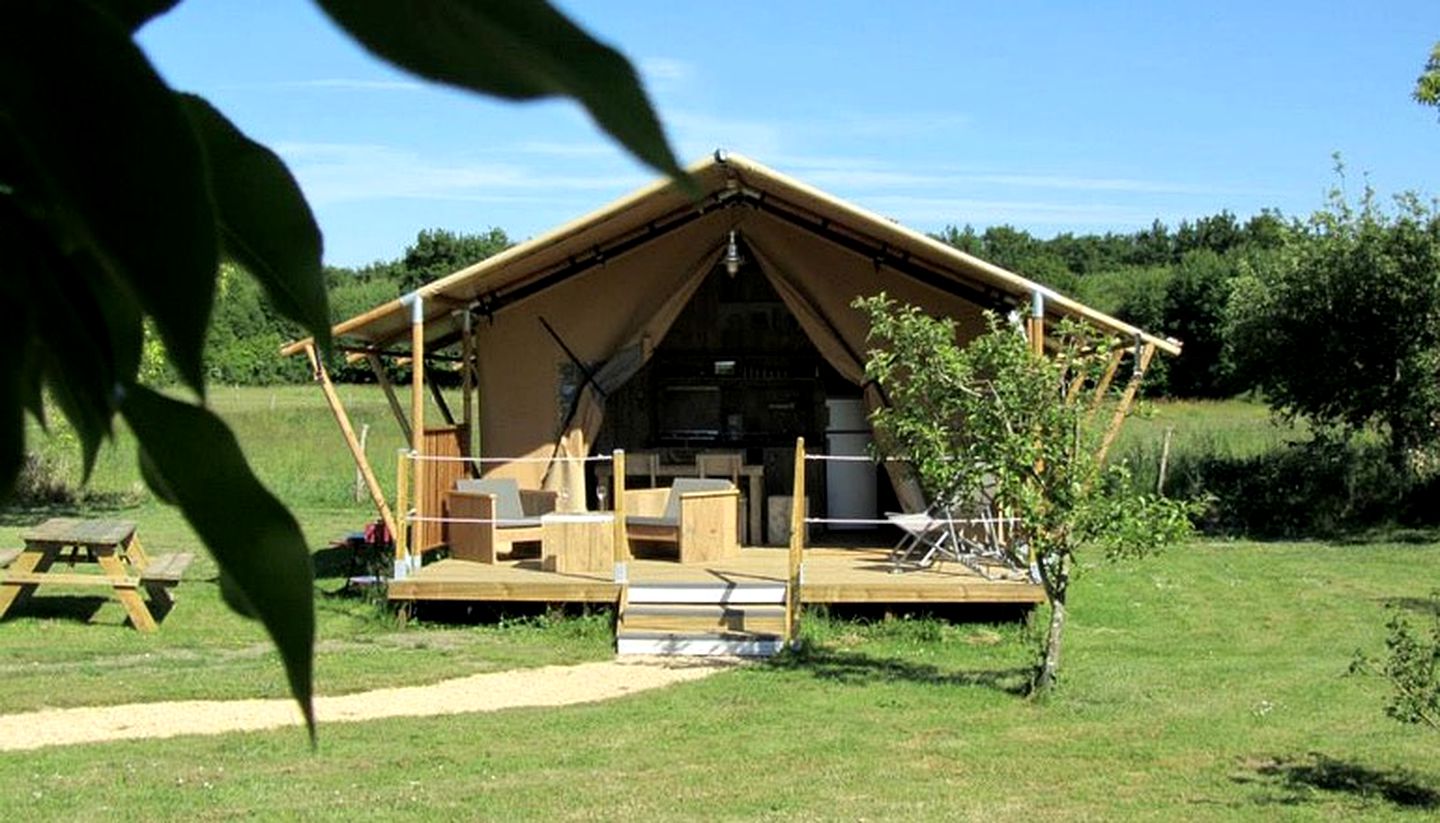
(1318,488)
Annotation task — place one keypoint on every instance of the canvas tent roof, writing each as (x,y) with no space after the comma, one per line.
(733,192)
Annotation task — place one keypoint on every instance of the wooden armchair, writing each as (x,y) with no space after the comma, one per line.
(512,515)
(698,516)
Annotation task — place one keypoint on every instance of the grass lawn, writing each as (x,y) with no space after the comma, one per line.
(1205,684)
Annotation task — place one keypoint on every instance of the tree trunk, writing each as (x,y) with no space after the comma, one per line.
(1050,662)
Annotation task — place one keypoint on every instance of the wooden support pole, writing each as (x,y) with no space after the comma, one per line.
(1037,323)
(1075,383)
(1133,386)
(357,451)
(417,406)
(1164,461)
(1104,385)
(797,543)
(439,397)
(467,381)
(382,378)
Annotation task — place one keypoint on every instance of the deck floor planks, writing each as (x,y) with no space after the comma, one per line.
(832,575)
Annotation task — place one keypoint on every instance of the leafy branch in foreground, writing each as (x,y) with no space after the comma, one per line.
(1427,85)
(119,197)
(992,421)
(1412,667)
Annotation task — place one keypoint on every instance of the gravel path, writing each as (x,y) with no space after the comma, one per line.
(546,686)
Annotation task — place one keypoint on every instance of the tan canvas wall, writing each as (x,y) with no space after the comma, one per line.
(818,282)
(596,313)
(633,301)
(830,278)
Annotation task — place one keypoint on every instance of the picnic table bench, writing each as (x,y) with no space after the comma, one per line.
(112,545)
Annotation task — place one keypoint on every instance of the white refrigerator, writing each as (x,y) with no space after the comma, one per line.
(849,485)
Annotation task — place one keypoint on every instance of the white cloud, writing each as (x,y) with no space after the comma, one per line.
(595,148)
(858,173)
(919,210)
(904,124)
(665,73)
(342,172)
(697,135)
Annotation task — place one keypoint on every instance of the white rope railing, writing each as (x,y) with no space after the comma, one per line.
(912,517)
(864,458)
(441,458)
(411,517)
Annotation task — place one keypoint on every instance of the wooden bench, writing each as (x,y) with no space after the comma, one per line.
(167,568)
(161,574)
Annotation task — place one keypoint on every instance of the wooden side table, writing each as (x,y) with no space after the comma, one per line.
(577,542)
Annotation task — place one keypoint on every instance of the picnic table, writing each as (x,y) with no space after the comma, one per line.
(112,545)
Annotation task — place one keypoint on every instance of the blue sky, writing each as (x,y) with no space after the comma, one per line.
(1051,117)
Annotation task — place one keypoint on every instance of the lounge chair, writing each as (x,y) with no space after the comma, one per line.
(497,514)
(727,464)
(698,516)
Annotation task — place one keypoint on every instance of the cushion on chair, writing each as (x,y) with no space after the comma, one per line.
(507,499)
(683,485)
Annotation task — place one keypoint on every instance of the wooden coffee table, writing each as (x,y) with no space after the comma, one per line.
(581,542)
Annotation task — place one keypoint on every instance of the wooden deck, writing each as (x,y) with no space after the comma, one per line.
(832,575)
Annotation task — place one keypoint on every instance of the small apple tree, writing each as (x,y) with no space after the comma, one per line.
(993,419)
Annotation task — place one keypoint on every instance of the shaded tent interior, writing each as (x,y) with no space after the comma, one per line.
(677,320)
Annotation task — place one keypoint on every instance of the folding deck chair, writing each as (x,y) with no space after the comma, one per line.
(979,541)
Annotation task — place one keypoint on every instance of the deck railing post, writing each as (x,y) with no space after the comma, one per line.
(617,506)
(402,519)
(622,541)
(797,543)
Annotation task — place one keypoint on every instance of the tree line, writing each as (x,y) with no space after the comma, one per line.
(1333,318)
(1167,281)
(246,331)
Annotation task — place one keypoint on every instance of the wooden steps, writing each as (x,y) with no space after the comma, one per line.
(699,618)
(702,619)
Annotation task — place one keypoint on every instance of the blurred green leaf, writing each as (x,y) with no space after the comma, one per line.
(155,480)
(12,406)
(132,14)
(90,349)
(520,49)
(265,223)
(73,340)
(234,597)
(119,171)
(254,538)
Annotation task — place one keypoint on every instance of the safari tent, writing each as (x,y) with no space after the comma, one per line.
(674,321)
